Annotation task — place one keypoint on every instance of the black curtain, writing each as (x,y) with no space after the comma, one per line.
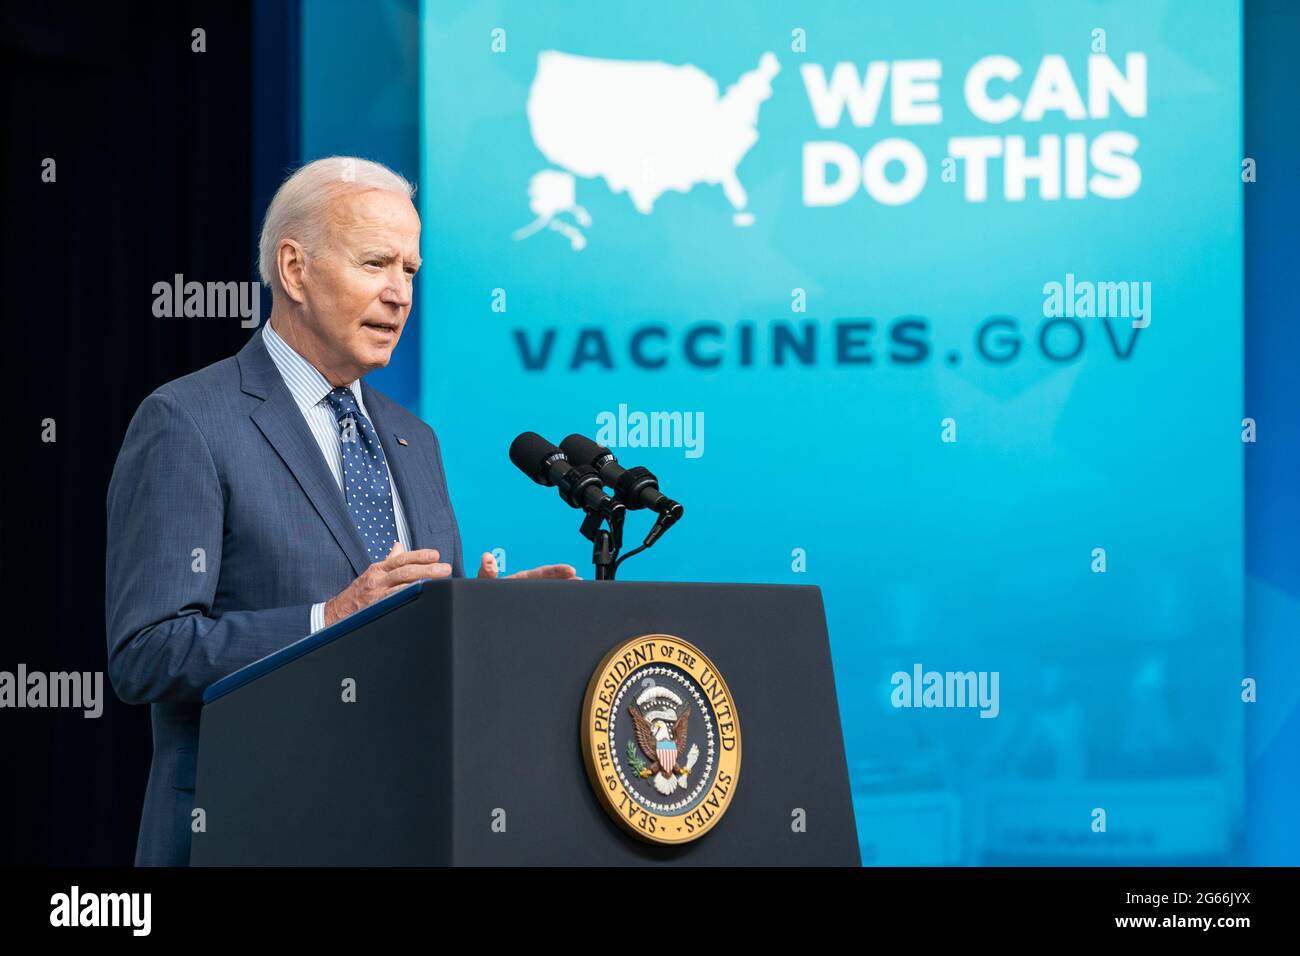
(153,150)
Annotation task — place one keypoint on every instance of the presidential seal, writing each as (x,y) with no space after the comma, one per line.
(660,739)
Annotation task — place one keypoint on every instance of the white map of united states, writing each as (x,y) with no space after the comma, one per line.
(644,127)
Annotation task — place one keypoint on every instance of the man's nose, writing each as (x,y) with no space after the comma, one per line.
(398,290)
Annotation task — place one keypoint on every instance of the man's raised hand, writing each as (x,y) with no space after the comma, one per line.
(382,578)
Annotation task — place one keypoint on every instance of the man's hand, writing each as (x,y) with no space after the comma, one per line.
(382,578)
(487,568)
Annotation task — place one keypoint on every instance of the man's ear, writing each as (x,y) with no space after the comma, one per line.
(291,263)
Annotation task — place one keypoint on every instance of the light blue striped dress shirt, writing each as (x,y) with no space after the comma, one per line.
(309,388)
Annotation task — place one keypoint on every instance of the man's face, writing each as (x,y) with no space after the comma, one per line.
(358,285)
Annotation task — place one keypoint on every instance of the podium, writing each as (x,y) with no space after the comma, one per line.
(444,726)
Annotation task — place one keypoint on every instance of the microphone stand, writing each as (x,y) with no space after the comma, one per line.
(605,544)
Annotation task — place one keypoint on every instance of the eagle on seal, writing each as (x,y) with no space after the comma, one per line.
(661,743)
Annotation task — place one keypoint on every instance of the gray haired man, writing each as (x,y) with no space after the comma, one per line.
(275,492)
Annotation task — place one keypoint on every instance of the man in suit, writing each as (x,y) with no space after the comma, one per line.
(275,492)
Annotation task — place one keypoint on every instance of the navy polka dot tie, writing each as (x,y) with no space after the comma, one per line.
(365,475)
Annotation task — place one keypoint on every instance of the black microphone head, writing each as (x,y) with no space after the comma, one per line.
(582,450)
(532,454)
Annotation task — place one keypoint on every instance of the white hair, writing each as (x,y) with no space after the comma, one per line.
(299,208)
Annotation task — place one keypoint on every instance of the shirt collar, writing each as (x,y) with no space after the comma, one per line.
(305,382)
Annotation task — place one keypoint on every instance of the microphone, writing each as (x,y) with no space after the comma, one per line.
(635,487)
(580,487)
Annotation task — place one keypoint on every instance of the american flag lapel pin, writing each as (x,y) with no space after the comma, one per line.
(402,441)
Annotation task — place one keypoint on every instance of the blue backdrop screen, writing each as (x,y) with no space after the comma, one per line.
(938,311)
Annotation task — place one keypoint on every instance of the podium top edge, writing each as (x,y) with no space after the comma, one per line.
(305,645)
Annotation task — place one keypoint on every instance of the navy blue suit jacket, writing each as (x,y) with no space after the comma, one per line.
(223,461)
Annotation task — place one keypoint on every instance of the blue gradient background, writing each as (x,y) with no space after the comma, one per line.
(1272,250)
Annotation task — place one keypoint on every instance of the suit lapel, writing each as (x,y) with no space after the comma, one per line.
(281,421)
